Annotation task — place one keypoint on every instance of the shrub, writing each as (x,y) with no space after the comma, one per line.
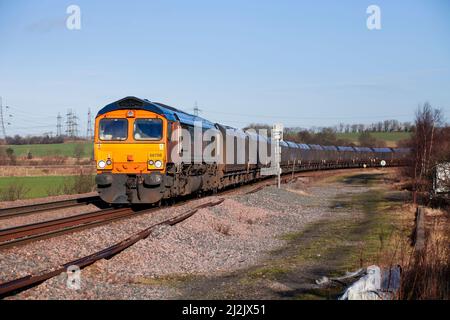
(14,191)
(427,274)
(82,183)
(56,190)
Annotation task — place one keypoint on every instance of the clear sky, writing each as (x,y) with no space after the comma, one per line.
(303,63)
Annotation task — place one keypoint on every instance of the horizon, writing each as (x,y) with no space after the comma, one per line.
(301,64)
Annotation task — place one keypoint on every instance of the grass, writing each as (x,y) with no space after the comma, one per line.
(391,138)
(172,280)
(62,149)
(37,187)
(343,243)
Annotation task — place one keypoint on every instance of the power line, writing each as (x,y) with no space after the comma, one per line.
(71,124)
(59,125)
(89,131)
(2,119)
(196,109)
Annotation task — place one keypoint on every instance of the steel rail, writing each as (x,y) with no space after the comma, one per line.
(15,286)
(46,206)
(26,233)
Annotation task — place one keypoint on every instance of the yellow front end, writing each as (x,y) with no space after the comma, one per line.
(131,152)
(130,158)
(130,155)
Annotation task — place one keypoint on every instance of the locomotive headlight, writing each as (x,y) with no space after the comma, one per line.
(158,164)
(151,162)
(101,164)
(108,162)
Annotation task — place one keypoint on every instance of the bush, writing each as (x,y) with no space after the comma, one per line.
(82,183)
(367,140)
(18,140)
(79,151)
(14,192)
(427,274)
(55,190)
(11,156)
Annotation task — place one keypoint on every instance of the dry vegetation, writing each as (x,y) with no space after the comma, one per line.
(82,183)
(426,272)
(14,192)
(430,145)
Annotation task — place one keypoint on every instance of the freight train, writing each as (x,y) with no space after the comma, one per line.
(142,157)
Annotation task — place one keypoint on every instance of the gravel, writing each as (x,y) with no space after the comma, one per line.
(236,234)
(25,202)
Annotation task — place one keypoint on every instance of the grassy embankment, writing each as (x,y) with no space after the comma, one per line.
(14,188)
(45,182)
(391,138)
(47,150)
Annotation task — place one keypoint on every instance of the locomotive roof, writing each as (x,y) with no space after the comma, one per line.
(168,112)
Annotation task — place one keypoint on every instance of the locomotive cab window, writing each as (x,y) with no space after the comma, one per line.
(113,129)
(148,129)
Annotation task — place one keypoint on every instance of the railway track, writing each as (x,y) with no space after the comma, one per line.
(46,206)
(41,230)
(15,286)
(37,231)
(64,225)
(24,234)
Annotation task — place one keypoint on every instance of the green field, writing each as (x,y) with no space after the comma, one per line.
(391,138)
(62,149)
(36,187)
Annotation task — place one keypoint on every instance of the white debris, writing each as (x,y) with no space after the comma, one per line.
(348,276)
(374,285)
(366,287)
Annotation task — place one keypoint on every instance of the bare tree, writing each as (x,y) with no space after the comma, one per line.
(361,127)
(424,143)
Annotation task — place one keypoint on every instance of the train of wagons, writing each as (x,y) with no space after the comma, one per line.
(133,152)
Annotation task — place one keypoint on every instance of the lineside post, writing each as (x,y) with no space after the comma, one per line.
(277,136)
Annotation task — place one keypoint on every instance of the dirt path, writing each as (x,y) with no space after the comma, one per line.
(365,214)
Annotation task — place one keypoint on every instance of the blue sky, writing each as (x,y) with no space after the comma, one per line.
(303,63)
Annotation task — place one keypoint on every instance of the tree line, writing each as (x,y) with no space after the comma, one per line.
(45,139)
(324,136)
(380,126)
